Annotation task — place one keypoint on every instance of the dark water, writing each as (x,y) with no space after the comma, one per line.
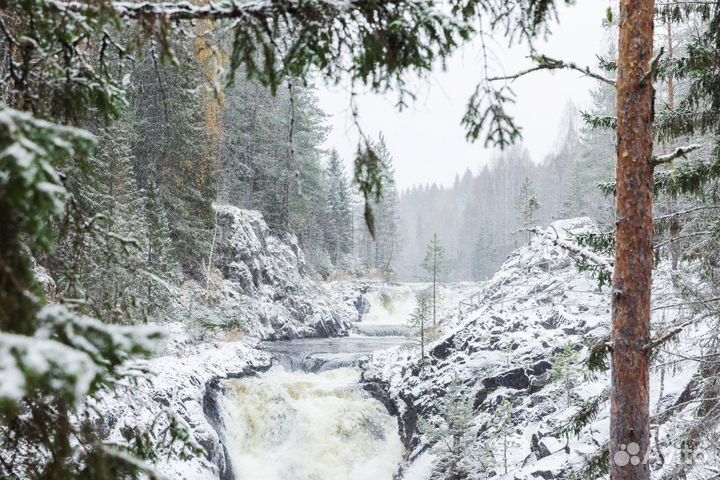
(320,354)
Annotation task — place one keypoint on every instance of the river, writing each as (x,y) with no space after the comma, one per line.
(308,418)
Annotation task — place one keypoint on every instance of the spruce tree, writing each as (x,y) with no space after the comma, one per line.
(386,241)
(453,433)
(339,219)
(527,204)
(161,269)
(436,265)
(419,323)
(173,152)
(101,259)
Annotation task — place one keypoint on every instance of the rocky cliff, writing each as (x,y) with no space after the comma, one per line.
(260,284)
(525,343)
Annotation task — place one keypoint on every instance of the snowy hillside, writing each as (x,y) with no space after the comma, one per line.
(261,284)
(262,287)
(181,387)
(525,343)
(517,352)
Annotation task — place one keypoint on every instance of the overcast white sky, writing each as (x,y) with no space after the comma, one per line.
(427,142)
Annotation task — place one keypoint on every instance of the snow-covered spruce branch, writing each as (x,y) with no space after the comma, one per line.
(575,249)
(227,9)
(174,11)
(546,63)
(679,152)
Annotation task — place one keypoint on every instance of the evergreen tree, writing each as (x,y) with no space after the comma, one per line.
(160,265)
(435,264)
(385,212)
(527,204)
(419,323)
(174,152)
(100,260)
(501,431)
(452,435)
(339,218)
(596,163)
(632,275)
(378,252)
(274,164)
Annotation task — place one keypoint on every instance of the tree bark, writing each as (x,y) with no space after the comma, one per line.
(629,395)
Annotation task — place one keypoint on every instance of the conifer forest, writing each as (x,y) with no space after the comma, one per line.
(359,239)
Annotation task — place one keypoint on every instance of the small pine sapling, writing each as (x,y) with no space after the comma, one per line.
(419,322)
(436,265)
(452,433)
(501,431)
(566,370)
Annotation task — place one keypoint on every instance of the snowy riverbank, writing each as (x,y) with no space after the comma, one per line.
(537,313)
(525,344)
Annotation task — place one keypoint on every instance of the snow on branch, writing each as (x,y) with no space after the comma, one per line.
(575,249)
(108,345)
(680,152)
(27,363)
(546,63)
(173,11)
(69,354)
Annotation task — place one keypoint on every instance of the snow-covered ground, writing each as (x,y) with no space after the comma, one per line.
(181,385)
(534,306)
(503,348)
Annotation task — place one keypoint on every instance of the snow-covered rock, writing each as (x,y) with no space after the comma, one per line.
(261,285)
(182,384)
(505,348)
(257,261)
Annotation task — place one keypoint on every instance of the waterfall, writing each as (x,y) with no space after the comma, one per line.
(389,309)
(308,426)
(391,304)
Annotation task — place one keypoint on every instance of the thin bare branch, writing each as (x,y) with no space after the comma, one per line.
(685,212)
(546,63)
(682,237)
(668,336)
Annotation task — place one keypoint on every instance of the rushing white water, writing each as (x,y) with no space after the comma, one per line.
(308,426)
(391,304)
(390,308)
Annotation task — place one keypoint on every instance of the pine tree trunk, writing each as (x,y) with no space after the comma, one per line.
(629,395)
